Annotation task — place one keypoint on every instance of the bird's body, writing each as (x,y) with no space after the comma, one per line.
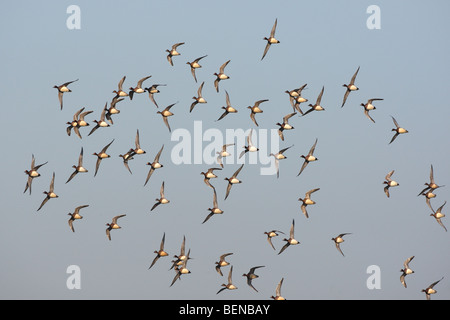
(256,109)
(113,225)
(316,106)
(195,65)
(250,275)
(350,87)
(368,106)
(250,147)
(228,109)
(271,39)
(222,262)
(338,240)
(308,158)
(173,52)
(138,88)
(270,235)
(165,114)
(154,165)
(221,75)
(229,285)
(32,173)
(398,130)
(75,216)
(285,125)
(50,194)
(78,168)
(101,155)
(291,241)
(63,89)
(430,289)
(389,183)
(307,201)
(161,252)
(233,180)
(162,199)
(406,270)
(278,295)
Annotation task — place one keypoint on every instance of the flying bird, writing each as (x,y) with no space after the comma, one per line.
(215,209)
(50,193)
(291,241)
(78,168)
(221,75)
(209,175)
(61,90)
(223,153)
(137,144)
(162,199)
(233,180)
(181,270)
(78,122)
(429,195)
(199,98)
(161,252)
(406,270)
(308,158)
(119,92)
(112,109)
(270,235)
(195,65)
(74,124)
(100,123)
(32,173)
(278,295)
(285,125)
(151,92)
(113,225)
(167,113)
(76,216)
(307,201)
(350,87)
(398,130)
(251,276)
(279,156)
(338,240)
(271,39)
(369,106)
(389,183)
(173,52)
(182,256)
(228,109)
(222,263)
(250,147)
(154,165)
(138,88)
(438,215)
(255,109)
(316,106)
(126,157)
(295,97)
(229,285)
(101,155)
(430,289)
(431,185)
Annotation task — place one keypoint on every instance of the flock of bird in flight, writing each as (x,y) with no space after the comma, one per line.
(295,98)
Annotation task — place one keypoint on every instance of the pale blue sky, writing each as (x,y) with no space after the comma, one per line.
(321,44)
